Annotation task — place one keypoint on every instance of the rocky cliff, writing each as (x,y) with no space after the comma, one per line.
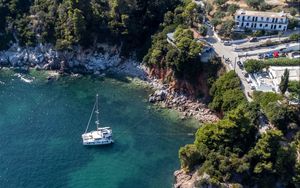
(185,180)
(77,60)
(181,95)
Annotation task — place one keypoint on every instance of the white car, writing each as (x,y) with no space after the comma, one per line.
(227,43)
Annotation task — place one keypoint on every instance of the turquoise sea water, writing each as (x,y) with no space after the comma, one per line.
(40,135)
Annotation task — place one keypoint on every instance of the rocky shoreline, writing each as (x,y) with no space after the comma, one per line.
(165,97)
(185,105)
(194,180)
(185,180)
(102,59)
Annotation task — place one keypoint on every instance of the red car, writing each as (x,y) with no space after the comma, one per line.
(276,54)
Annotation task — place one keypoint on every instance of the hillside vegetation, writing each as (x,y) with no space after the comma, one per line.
(233,151)
(65,23)
(180,63)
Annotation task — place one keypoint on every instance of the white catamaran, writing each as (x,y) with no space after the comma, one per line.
(102,135)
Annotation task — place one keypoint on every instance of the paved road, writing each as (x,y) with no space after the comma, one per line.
(254,52)
(227,52)
(260,42)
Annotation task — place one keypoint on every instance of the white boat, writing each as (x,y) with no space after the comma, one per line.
(100,136)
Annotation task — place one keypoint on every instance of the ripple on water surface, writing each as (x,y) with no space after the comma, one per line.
(40,132)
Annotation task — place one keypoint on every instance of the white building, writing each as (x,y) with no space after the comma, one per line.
(269,80)
(199,3)
(262,82)
(276,72)
(256,20)
(171,39)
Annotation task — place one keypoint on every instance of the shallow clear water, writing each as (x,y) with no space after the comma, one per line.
(40,135)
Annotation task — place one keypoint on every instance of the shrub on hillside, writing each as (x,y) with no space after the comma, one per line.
(263,98)
(215,21)
(253,65)
(203,30)
(292,23)
(226,93)
(254,3)
(294,37)
(220,2)
(226,28)
(294,89)
(259,5)
(232,8)
(280,115)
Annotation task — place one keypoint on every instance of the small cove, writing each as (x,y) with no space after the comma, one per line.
(41,125)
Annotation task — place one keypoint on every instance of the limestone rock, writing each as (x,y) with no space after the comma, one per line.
(77,60)
(185,180)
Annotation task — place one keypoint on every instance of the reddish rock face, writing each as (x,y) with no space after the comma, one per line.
(181,85)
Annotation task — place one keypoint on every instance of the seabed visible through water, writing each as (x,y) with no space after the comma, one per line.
(41,124)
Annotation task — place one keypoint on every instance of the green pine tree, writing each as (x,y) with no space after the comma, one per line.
(284,81)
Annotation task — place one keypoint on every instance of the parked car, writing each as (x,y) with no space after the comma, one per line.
(253,39)
(268,55)
(260,56)
(227,43)
(252,87)
(248,80)
(276,54)
(239,63)
(284,55)
(294,55)
(271,54)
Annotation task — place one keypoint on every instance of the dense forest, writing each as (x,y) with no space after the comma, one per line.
(65,23)
(134,25)
(237,150)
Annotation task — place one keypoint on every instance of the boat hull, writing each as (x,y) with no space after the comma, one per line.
(100,142)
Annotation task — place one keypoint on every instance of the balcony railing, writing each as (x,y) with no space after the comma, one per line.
(265,22)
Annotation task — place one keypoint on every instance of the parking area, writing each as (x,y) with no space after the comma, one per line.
(234,59)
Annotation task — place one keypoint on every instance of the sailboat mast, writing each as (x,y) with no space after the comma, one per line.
(97,111)
(87,127)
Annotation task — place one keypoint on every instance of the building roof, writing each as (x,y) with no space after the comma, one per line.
(263,81)
(199,2)
(277,72)
(171,36)
(261,14)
